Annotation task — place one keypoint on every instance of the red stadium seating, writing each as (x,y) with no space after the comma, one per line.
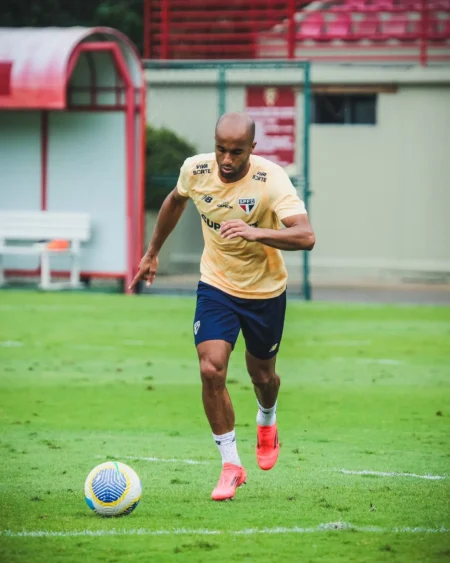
(396,27)
(367,28)
(312,27)
(340,27)
(210,29)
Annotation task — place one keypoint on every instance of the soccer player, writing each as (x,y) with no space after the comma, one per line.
(244,202)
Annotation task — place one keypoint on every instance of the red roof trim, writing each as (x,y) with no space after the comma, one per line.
(38,60)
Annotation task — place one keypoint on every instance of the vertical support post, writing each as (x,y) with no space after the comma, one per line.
(147,29)
(44,159)
(423,32)
(75,271)
(253,31)
(291,29)
(222,86)
(306,190)
(142,154)
(45,269)
(2,269)
(165,29)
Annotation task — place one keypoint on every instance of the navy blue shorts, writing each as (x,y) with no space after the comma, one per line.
(220,316)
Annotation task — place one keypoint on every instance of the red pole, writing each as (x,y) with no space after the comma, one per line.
(147,29)
(423,32)
(142,153)
(165,29)
(253,30)
(291,29)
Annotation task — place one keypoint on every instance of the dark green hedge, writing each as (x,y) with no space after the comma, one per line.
(165,153)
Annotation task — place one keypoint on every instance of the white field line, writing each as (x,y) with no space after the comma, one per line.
(17,344)
(158,459)
(328,527)
(338,342)
(390,474)
(57,308)
(92,347)
(382,361)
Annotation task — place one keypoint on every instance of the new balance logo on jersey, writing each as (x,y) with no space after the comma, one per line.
(207,198)
(196,327)
(247,204)
(274,347)
(201,169)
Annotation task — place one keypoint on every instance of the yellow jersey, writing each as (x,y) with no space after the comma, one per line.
(263,198)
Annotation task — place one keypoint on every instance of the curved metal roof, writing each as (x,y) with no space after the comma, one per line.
(34,62)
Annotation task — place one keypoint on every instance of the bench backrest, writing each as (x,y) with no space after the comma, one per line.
(44,225)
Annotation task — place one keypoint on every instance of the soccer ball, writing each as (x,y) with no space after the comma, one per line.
(112,489)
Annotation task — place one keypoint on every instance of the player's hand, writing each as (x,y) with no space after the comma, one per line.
(147,270)
(238,228)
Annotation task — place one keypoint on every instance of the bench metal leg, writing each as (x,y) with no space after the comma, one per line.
(45,270)
(2,269)
(75,271)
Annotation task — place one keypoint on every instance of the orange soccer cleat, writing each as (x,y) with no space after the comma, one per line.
(232,477)
(267,447)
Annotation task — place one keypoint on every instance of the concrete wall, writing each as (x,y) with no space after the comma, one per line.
(381,194)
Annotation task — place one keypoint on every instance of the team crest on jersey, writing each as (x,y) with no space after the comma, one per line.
(247,204)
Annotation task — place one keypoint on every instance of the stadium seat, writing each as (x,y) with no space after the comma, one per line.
(384,5)
(340,27)
(415,6)
(396,27)
(441,5)
(437,29)
(349,6)
(358,5)
(341,7)
(312,27)
(371,6)
(367,28)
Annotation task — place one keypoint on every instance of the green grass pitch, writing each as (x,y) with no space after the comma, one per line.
(88,377)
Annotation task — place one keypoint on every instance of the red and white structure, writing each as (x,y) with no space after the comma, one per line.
(72,139)
(333,31)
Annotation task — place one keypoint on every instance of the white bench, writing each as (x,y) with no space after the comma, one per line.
(22,233)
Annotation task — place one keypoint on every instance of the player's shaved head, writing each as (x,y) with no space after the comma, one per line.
(235,141)
(234,126)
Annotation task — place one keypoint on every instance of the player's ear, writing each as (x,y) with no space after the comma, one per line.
(253,146)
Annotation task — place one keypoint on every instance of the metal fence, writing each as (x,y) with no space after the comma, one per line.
(241,76)
(407,31)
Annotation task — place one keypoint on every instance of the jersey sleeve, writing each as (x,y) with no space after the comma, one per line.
(183,179)
(284,199)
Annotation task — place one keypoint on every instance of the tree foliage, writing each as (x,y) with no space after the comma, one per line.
(124,15)
(165,153)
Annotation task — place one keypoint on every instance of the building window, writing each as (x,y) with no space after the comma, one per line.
(344,109)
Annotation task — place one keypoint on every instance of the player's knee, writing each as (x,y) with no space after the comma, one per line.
(262,376)
(213,372)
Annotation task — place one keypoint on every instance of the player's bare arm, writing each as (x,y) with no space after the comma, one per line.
(298,234)
(168,217)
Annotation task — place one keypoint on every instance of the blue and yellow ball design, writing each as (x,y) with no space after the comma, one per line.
(112,489)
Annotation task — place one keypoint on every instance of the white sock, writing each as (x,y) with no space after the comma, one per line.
(266,417)
(227,447)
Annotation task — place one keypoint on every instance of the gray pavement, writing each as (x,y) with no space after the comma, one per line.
(424,294)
